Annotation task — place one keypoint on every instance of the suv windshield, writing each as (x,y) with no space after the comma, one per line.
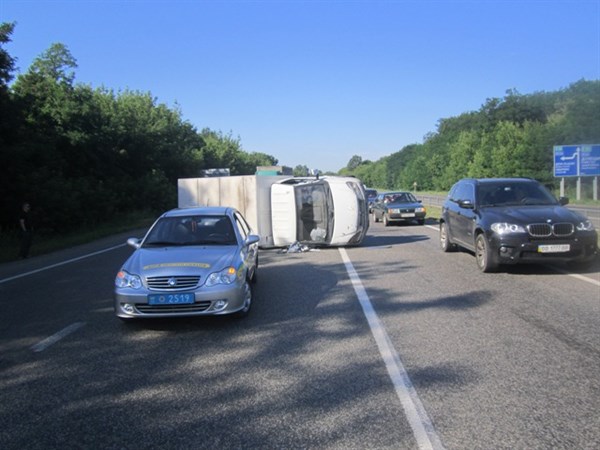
(514,193)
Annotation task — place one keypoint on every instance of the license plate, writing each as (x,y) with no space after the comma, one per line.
(171,299)
(407,215)
(555,248)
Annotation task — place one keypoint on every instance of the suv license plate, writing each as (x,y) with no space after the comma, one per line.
(556,248)
(171,299)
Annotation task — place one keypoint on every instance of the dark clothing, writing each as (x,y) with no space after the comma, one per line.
(26,233)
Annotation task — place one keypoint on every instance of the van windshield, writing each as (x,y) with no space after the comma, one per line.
(315,213)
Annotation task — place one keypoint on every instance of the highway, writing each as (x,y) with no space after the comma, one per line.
(389,345)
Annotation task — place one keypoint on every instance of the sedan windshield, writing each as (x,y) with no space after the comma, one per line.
(505,194)
(400,197)
(191,230)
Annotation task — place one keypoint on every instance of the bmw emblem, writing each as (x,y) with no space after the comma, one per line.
(172,282)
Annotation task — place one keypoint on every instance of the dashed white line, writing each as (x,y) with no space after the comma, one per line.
(43,345)
(418,419)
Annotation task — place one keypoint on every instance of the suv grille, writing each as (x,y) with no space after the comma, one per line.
(172,283)
(547,229)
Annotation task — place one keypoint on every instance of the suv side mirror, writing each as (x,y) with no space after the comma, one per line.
(563,201)
(467,204)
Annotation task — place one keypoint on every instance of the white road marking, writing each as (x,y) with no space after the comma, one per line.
(418,419)
(43,345)
(576,275)
(62,263)
(556,269)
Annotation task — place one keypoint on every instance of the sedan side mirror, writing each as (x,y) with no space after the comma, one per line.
(252,239)
(134,242)
(563,201)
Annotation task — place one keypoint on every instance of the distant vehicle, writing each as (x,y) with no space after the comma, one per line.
(514,220)
(192,262)
(371,197)
(394,207)
(319,211)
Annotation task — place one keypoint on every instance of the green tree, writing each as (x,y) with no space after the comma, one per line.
(354,162)
(301,171)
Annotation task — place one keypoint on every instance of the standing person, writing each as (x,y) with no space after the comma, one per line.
(26,230)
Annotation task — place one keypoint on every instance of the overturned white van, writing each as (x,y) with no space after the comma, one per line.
(326,211)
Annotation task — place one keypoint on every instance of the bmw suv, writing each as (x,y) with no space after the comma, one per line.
(514,220)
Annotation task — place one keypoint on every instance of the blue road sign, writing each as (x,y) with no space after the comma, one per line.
(589,161)
(577,160)
(566,160)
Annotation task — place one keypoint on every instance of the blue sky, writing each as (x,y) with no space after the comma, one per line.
(315,82)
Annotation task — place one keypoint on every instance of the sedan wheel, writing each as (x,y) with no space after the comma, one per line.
(386,222)
(483,255)
(247,300)
(375,219)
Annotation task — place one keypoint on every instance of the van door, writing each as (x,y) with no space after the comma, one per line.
(283,214)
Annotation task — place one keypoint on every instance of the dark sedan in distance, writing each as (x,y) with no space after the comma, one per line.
(401,206)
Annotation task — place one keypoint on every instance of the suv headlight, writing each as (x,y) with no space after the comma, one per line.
(225,276)
(507,228)
(586,225)
(127,280)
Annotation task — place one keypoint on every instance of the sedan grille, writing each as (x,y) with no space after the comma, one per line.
(166,309)
(172,283)
(547,229)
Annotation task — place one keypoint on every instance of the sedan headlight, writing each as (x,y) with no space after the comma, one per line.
(507,228)
(225,276)
(127,280)
(585,226)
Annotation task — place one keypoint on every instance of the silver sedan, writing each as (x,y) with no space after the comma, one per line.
(192,262)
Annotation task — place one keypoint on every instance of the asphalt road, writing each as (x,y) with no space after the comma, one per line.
(393,344)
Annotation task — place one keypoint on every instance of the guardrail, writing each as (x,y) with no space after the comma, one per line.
(591,212)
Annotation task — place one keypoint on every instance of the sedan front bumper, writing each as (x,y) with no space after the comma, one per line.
(215,300)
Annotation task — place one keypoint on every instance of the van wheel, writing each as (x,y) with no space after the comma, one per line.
(485,259)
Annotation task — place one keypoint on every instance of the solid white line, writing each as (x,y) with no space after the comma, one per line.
(565,272)
(43,345)
(418,419)
(60,264)
(576,275)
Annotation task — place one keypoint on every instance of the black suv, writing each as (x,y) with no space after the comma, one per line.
(514,220)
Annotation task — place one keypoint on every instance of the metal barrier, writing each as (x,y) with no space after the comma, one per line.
(591,212)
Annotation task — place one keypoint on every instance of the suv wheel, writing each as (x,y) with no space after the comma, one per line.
(485,259)
(445,243)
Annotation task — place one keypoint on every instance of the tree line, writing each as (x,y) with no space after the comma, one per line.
(511,136)
(82,155)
